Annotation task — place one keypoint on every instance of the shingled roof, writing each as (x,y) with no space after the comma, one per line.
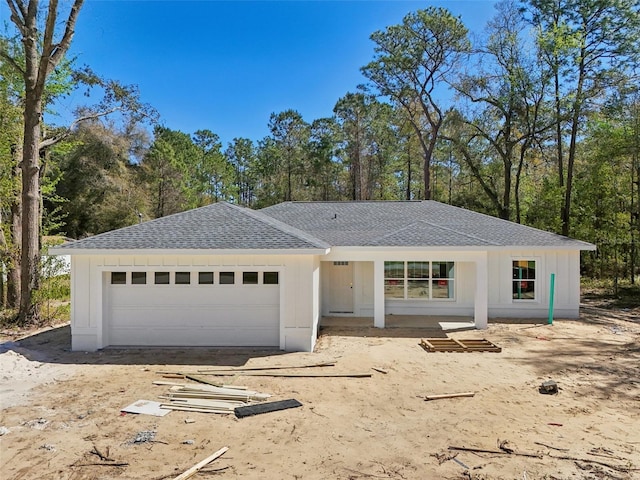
(411,224)
(220,226)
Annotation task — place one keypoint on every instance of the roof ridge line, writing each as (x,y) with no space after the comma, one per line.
(439,227)
(468,235)
(282,226)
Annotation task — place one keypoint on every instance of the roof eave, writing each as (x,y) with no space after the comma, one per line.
(187,251)
(474,248)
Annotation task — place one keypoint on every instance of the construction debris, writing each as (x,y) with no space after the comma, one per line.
(272,367)
(291,375)
(548,388)
(449,395)
(146,407)
(209,398)
(463,346)
(250,410)
(199,466)
(145,436)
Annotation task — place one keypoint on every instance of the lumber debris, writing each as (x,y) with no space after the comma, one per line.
(381,370)
(250,410)
(449,395)
(200,465)
(272,367)
(209,398)
(292,375)
(499,452)
(461,346)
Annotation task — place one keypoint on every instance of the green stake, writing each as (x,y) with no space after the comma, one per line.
(551,294)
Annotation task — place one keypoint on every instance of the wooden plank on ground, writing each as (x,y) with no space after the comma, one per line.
(273,367)
(291,375)
(462,345)
(449,395)
(200,465)
(266,407)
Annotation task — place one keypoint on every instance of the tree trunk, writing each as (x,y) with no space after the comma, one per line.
(575,120)
(30,258)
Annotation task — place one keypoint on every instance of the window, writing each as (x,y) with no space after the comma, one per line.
(118,278)
(183,278)
(249,278)
(205,278)
(162,278)
(227,278)
(139,278)
(524,280)
(419,280)
(340,264)
(442,280)
(270,278)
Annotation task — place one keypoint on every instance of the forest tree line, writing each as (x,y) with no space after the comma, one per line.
(535,120)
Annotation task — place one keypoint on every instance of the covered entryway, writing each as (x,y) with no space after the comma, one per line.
(338,283)
(233,308)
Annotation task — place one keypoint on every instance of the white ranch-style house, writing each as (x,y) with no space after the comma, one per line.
(224,275)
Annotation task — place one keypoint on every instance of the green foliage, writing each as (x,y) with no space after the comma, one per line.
(499,147)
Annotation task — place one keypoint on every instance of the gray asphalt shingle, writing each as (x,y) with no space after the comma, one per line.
(410,224)
(215,227)
(320,225)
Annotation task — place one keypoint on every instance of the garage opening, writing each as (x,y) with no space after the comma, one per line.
(193,308)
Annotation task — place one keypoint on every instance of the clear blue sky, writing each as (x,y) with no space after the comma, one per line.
(227,65)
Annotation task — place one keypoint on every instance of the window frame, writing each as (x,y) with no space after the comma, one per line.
(406,279)
(200,282)
(111,278)
(249,281)
(534,281)
(143,274)
(162,272)
(234,276)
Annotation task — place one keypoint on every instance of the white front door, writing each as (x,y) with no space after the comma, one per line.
(339,288)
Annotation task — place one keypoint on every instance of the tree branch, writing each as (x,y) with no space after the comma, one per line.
(18,14)
(11,62)
(62,47)
(48,142)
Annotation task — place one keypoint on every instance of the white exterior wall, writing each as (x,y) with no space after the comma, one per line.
(299,291)
(499,302)
(566,266)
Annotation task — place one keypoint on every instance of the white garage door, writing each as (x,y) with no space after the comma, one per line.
(193,308)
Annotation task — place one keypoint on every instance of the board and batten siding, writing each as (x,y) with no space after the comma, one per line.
(564,263)
(299,279)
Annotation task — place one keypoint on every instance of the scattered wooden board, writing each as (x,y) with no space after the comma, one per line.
(200,465)
(449,395)
(291,375)
(272,367)
(266,407)
(453,345)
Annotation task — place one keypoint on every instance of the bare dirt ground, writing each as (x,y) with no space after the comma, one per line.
(57,405)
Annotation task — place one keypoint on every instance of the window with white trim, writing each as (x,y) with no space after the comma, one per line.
(138,278)
(419,280)
(523,284)
(118,278)
(183,278)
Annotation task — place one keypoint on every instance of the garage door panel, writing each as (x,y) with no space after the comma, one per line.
(237,316)
(202,337)
(193,315)
(193,296)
